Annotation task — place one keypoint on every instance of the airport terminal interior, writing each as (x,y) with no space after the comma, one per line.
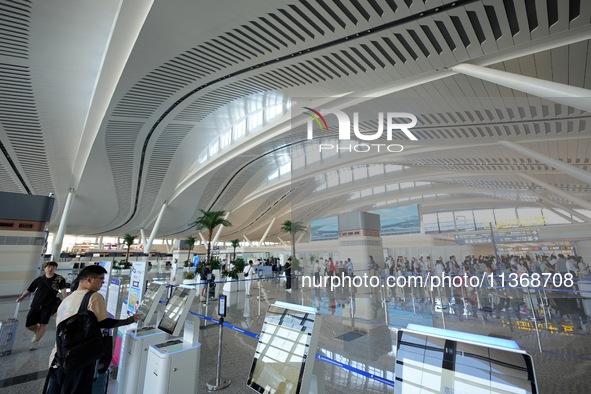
(440,137)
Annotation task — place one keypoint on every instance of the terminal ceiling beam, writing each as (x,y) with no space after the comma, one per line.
(551,204)
(568,169)
(565,94)
(554,211)
(579,201)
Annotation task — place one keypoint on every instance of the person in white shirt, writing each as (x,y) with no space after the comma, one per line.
(248,275)
(350,268)
(316,270)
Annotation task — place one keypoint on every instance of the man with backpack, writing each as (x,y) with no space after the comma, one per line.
(63,377)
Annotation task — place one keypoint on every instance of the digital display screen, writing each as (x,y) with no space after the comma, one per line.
(429,364)
(282,351)
(173,310)
(148,299)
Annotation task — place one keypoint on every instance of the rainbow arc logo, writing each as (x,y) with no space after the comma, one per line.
(318,118)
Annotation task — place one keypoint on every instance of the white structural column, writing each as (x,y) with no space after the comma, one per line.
(219,232)
(202,238)
(565,94)
(58,240)
(267,231)
(301,235)
(246,239)
(143,238)
(148,246)
(561,166)
(579,201)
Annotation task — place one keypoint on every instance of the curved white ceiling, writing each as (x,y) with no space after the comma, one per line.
(117,99)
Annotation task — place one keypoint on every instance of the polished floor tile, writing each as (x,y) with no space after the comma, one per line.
(358,331)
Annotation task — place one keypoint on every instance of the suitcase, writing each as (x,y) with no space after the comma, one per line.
(101,382)
(8,333)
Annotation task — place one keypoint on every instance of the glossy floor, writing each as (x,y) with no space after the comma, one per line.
(358,333)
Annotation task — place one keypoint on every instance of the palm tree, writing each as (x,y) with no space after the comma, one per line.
(190,241)
(209,220)
(235,244)
(292,228)
(128,239)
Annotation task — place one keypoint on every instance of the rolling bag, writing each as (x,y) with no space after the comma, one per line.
(8,333)
(101,382)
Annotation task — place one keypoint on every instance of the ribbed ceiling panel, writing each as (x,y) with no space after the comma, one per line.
(122,137)
(159,167)
(15,20)
(20,120)
(328,47)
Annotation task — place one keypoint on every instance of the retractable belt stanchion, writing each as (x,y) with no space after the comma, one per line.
(219,383)
(259,297)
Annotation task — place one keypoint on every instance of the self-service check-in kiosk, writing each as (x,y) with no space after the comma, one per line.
(284,360)
(435,360)
(173,366)
(134,353)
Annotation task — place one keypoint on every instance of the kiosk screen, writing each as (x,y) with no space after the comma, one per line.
(282,351)
(148,299)
(174,310)
(437,364)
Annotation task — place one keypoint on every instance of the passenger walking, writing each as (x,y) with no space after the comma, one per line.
(248,272)
(46,287)
(287,269)
(316,270)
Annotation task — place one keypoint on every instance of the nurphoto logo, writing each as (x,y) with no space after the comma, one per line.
(344,122)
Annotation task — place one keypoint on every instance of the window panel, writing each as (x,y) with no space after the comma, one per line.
(446,221)
(376,170)
(359,173)
(214,147)
(345,175)
(506,218)
(255,120)
(332,179)
(239,129)
(202,156)
(530,216)
(226,139)
(464,220)
(552,218)
(430,223)
(379,189)
(483,217)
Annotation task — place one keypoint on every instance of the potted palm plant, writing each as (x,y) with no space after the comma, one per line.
(209,220)
(235,274)
(190,241)
(128,240)
(292,228)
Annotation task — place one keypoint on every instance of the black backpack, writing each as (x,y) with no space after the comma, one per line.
(79,339)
